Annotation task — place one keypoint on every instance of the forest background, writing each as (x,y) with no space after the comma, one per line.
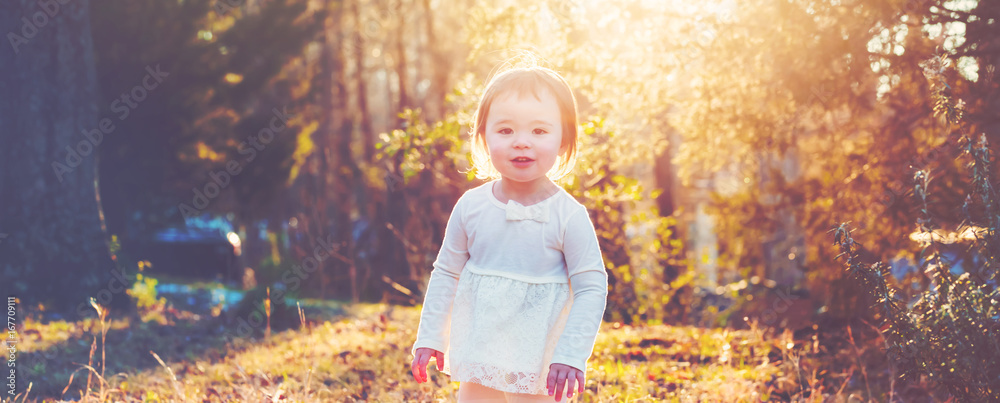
(724,143)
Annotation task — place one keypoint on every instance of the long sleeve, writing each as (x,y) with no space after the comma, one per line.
(589,282)
(435,316)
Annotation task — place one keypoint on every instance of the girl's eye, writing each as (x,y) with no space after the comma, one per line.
(505,131)
(540,131)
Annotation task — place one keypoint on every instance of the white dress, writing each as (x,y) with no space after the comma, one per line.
(513,290)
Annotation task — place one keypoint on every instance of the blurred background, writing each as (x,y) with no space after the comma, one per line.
(315,149)
(723,140)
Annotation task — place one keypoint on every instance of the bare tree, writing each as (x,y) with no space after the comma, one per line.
(56,249)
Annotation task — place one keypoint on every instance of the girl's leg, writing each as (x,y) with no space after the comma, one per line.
(526,398)
(474,392)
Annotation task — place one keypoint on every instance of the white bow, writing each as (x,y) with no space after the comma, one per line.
(517,211)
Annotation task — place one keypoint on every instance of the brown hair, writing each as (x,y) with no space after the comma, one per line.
(522,81)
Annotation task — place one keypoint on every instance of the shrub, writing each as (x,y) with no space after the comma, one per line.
(951,332)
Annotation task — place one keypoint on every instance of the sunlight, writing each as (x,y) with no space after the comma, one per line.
(968,234)
(234,239)
(719,146)
(950,36)
(207,153)
(233,78)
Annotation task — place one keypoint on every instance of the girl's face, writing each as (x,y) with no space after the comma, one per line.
(524,135)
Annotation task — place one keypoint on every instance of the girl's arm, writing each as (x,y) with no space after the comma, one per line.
(589,282)
(435,316)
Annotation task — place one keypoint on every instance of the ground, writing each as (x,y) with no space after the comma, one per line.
(361,353)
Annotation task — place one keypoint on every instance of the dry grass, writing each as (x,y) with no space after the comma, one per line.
(364,356)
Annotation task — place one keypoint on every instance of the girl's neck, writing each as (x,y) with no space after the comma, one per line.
(525,193)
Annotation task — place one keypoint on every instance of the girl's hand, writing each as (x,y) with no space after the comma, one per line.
(421,358)
(564,375)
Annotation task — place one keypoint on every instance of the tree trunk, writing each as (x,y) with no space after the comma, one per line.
(322,136)
(364,117)
(401,68)
(342,170)
(55,249)
(440,68)
(362,248)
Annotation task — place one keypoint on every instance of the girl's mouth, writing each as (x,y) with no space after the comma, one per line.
(522,162)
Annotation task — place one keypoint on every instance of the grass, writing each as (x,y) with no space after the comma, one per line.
(362,354)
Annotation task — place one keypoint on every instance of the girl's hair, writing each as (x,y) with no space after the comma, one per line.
(523,81)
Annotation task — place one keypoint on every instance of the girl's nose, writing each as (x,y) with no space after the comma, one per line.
(521,141)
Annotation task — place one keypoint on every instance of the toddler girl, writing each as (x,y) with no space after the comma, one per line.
(518,289)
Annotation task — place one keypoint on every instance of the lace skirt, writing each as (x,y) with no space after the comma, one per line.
(504,331)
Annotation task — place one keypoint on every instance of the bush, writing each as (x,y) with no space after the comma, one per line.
(951,332)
